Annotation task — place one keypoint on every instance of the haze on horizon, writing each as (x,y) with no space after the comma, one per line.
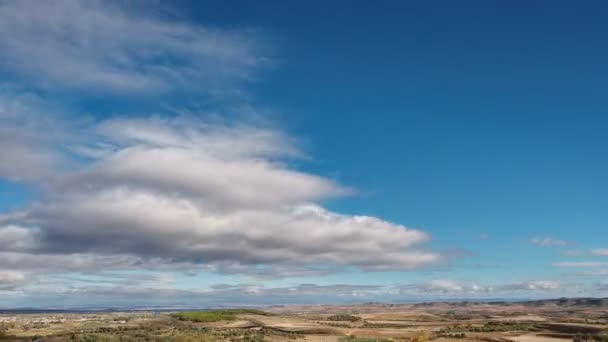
(161,153)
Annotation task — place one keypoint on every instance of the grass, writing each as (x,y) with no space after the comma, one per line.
(490,327)
(361,339)
(344,318)
(217,315)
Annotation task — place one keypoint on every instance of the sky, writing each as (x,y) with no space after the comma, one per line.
(249,153)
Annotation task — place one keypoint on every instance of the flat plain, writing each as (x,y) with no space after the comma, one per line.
(559,320)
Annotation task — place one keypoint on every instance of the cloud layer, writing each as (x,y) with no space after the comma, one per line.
(124,289)
(121,194)
(186,191)
(98,46)
(548,242)
(182,192)
(600,252)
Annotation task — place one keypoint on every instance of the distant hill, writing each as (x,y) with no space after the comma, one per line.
(572,302)
(565,302)
(561,302)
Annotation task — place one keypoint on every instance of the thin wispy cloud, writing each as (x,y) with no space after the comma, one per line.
(130,289)
(132,135)
(107,47)
(183,193)
(572,252)
(548,242)
(459,287)
(582,264)
(600,252)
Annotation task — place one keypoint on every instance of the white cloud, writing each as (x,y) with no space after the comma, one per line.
(10,277)
(152,289)
(443,285)
(29,131)
(271,271)
(106,47)
(218,196)
(16,238)
(11,280)
(155,191)
(44,264)
(600,252)
(452,287)
(582,264)
(533,285)
(548,242)
(571,252)
(603,272)
(543,285)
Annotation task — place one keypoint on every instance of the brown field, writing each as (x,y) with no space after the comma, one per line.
(548,321)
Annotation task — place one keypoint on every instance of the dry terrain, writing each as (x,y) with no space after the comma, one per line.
(542,321)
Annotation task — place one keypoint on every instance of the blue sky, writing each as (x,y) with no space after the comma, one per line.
(241,152)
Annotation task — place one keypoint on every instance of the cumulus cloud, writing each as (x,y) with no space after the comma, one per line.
(152,290)
(100,46)
(447,286)
(548,242)
(220,196)
(16,238)
(174,193)
(533,285)
(150,191)
(453,287)
(271,271)
(41,263)
(10,278)
(301,290)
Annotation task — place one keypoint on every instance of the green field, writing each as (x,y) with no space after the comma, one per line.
(217,315)
(344,318)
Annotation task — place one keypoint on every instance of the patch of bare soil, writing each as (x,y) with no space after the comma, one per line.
(535,338)
(530,318)
(321,338)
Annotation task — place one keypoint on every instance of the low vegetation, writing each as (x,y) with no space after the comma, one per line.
(344,318)
(602,337)
(180,333)
(489,327)
(387,323)
(362,339)
(452,335)
(217,315)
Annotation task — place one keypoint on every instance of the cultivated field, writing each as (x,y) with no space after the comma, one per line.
(544,321)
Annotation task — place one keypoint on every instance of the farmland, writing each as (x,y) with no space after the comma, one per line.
(546,321)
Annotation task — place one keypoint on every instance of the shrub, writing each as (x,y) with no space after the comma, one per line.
(344,318)
(362,339)
(216,315)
